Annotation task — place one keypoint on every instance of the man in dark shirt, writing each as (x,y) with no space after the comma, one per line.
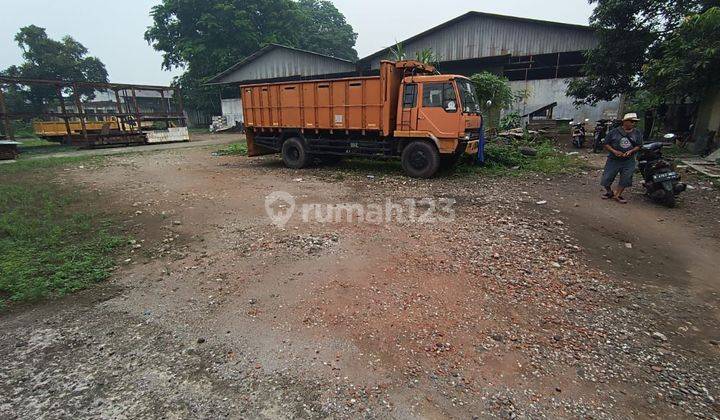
(621,143)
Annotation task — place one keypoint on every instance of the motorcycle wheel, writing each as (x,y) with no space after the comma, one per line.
(597,145)
(669,200)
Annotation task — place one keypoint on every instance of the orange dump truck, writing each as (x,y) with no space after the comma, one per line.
(408,111)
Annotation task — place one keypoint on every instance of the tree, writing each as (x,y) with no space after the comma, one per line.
(632,33)
(494,88)
(325,30)
(205,37)
(689,61)
(46,58)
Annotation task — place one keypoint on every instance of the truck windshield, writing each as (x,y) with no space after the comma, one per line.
(468,97)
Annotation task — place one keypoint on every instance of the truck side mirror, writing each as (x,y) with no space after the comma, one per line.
(488,104)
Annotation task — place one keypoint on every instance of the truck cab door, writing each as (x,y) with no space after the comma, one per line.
(408,112)
(439,113)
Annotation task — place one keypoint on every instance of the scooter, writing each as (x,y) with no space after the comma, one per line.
(578,133)
(602,128)
(661,181)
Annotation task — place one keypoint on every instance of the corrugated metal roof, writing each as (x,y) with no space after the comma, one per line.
(280,61)
(480,35)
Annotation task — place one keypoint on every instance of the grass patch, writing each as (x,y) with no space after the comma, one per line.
(507,159)
(37,146)
(198,130)
(42,165)
(502,159)
(51,241)
(234,149)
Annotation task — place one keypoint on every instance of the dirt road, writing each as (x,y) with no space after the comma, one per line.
(574,307)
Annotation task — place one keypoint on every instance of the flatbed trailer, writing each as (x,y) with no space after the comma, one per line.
(408,111)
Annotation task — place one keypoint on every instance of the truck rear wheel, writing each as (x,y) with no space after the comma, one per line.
(294,154)
(420,159)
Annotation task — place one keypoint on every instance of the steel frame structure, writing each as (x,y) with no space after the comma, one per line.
(123,115)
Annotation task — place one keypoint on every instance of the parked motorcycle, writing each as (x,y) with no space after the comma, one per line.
(661,181)
(578,133)
(602,128)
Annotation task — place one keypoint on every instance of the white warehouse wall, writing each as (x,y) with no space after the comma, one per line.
(232,110)
(539,93)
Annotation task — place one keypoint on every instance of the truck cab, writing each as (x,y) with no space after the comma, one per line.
(441,108)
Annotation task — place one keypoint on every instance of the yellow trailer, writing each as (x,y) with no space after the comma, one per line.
(50,129)
(57,129)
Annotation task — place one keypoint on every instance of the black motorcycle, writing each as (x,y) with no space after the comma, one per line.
(602,128)
(578,133)
(661,181)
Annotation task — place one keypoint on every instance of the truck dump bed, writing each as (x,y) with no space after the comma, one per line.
(356,103)
(349,104)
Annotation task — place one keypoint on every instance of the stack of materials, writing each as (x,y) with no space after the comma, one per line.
(8,149)
(171,135)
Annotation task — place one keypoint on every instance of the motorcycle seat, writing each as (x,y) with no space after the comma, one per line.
(652,146)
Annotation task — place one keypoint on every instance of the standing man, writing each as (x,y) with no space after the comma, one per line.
(621,143)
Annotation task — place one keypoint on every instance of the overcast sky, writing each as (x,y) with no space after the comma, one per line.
(113,30)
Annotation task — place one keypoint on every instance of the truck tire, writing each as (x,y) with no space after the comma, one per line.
(420,159)
(294,154)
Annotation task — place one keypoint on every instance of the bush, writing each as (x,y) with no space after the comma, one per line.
(510,121)
(235,149)
(505,157)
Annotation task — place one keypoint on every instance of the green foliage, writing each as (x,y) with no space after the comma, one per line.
(491,87)
(636,33)
(206,37)
(50,241)
(47,58)
(397,52)
(643,100)
(509,121)
(427,56)
(689,61)
(504,158)
(235,149)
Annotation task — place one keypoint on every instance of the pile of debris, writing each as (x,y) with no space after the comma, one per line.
(521,133)
(709,165)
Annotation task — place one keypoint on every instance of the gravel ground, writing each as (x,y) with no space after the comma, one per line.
(537,300)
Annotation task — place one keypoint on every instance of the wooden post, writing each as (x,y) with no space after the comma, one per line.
(68,139)
(167,109)
(78,105)
(181,104)
(118,105)
(137,110)
(6,119)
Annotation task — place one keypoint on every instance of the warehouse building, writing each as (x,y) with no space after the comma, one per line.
(274,63)
(538,57)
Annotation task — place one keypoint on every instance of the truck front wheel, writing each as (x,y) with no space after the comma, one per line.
(420,159)
(294,154)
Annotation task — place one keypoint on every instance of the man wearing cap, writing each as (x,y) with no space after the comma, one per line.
(621,143)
